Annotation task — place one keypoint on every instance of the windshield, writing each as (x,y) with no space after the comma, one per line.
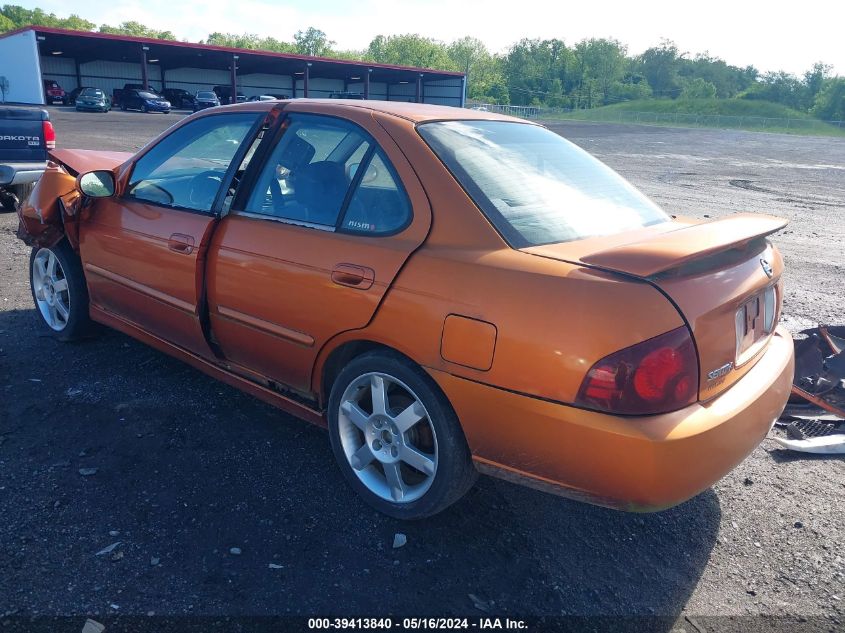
(148,95)
(536,187)
(206,95)
(92,92)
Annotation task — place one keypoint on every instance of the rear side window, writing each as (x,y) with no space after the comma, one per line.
(378,205)
(186,169)
(536,187)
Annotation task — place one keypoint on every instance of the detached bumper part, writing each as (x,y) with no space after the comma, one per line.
(820,382)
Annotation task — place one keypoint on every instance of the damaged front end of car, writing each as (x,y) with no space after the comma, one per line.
(53,209)
(51,212)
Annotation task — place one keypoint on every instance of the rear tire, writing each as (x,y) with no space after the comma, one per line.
(59,291)
(410,461)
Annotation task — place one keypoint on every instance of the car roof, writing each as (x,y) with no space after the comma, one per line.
(416,112)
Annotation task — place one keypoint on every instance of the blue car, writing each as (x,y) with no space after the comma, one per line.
(145,101)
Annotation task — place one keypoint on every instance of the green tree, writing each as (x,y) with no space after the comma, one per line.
(313,42)
(660,65)
(602,62)
(483,70)
(830,101)
(698,88)
(728,80)
(20,16)
(6,24)
(814,80)
(779,87)
(136,29)
(538,69)
(409,50)
(249,41)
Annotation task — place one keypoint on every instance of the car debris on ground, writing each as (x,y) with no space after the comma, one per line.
(814,418)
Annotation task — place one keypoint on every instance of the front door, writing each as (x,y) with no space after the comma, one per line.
(144,250)
(313,243)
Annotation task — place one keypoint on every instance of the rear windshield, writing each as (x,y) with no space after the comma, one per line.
(536,187)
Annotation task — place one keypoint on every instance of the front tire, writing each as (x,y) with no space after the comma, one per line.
(59,291)
(396,437)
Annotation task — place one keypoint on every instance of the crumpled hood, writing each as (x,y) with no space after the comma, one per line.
(79,161)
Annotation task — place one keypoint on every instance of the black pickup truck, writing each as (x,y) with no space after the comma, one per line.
(25,136)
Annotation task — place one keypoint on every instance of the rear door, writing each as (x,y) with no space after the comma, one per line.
(315,239)
(144,250)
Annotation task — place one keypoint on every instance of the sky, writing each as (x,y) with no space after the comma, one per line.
(769,35)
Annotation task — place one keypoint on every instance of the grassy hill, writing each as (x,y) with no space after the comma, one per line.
(719,113)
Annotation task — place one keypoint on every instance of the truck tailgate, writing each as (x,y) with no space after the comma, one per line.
(22,135)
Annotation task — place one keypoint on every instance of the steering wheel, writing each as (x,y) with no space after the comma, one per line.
(203,188)
(158,189)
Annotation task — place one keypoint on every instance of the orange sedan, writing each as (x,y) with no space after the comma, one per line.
(449,291)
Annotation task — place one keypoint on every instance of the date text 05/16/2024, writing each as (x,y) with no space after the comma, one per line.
(414,624)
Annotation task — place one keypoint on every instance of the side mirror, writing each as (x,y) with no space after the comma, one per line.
(96,184)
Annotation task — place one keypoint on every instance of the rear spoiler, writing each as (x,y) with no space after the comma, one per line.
(674,249)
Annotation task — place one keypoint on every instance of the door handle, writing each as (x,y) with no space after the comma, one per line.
(354,276)
(181,243)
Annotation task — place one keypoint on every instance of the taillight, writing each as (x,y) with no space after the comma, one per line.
(655,376)
(49,134)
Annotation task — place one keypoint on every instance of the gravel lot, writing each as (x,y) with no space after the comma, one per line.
(187,468)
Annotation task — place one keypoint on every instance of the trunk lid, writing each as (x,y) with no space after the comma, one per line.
(723,276)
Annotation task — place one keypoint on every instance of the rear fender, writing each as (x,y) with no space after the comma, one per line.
(50,212)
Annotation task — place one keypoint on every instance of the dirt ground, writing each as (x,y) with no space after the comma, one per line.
(187,468)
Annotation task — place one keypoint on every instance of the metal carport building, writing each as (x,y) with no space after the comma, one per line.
(83,58)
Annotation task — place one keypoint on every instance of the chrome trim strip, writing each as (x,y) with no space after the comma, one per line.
(300,338)
(142,288)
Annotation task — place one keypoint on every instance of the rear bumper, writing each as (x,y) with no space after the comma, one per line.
(638,464)
(21,173)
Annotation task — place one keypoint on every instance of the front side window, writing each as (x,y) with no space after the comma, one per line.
(185,170)
(536,187)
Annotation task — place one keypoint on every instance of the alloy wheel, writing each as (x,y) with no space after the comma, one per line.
(387,437)
(50,287)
